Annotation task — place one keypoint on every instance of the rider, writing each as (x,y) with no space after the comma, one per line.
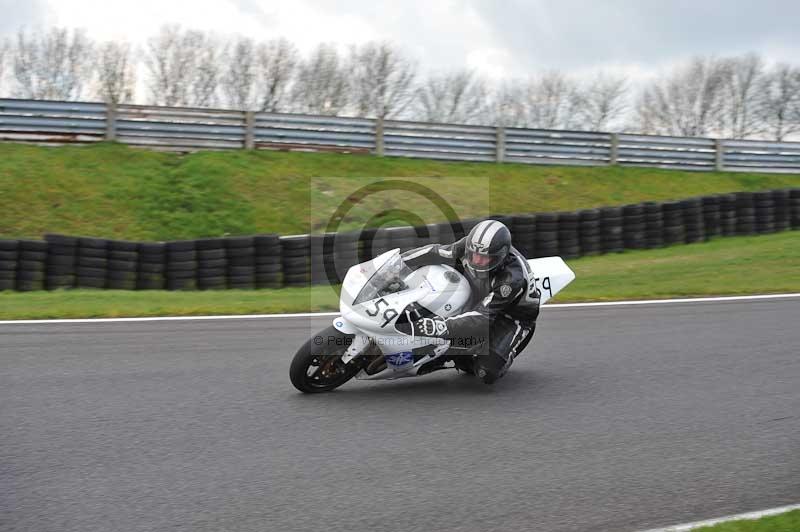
(504,305)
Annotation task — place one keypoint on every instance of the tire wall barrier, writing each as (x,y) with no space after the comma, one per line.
(273,261)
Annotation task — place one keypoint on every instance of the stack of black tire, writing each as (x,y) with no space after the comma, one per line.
(404,238)
(268,261)
(727,214)
(123,265)
(764,207)
(745,214)
(62,252)
(428,234)
(523,234)
(9,256)
(611,230)
(446,232)
(794,207)
(780,200)
(693,220)
(569,245)
(589,231)
(546,241)
(181,271)
(92,269)
(152,266)
(241,262)
(653,224)
(321,254)
(674,230)
(711,216)
(295,257)
(633,226)
(31,263)
(212,264)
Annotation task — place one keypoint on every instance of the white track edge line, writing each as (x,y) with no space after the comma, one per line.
(709,522)
(333,314)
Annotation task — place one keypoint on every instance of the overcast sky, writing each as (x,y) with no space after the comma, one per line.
(496,38)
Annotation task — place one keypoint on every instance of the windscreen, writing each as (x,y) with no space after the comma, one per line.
(387,279)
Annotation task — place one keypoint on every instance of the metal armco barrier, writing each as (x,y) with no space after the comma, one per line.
(190,129)
(273,261)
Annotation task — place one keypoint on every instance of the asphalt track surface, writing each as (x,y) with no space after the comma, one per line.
(614,419)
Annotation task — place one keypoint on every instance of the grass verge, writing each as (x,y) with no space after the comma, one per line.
(114,191)
(727,266)
(786,522)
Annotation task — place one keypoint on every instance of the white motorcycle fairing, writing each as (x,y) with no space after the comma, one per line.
(438,288)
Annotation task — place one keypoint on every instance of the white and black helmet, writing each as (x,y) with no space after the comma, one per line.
(487,247)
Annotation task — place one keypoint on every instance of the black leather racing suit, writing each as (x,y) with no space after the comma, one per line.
(500,317)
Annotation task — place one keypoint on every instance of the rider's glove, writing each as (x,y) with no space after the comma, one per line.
(431,327)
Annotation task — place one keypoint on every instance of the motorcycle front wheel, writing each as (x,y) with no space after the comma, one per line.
(317,366)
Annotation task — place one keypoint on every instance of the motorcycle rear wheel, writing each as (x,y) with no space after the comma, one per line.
(317,366)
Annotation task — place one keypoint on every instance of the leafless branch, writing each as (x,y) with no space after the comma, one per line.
(116,73)
(53,65)
(740,96)
(688,102)
(603,102)
(322,83)
(552,102)
(277,62)
(382,80)
(239,76)
(457,97)
(779,108)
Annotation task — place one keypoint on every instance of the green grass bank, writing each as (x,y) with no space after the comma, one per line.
(114,191)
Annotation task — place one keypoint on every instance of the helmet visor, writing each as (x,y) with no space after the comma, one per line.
(483,262)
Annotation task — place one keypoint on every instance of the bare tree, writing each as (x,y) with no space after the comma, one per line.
(169,62)
(238,79)
(740,96)
(779,108)
(277,62)
(552,102)
(4,48)
(603,102)
(116,72)
(184,67)
(322,83)
(53,65)
(506,106)
(457,97)
(206,70)
(382,80)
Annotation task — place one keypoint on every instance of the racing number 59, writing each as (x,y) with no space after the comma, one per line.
(388,315)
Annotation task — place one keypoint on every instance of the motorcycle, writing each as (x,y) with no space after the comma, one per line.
(379,295)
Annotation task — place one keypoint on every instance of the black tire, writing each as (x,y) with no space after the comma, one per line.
(211,254)
(30,275)
(268,268)
(123,255)
(152,248)
(92,253)
(122,265)
(91,282)
(30,266)
(326,356)
(92,262)
(212,283)
(180,245)
(181,256)
(55,282)
(123,246)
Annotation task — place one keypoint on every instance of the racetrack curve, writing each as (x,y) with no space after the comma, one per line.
(614,419)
